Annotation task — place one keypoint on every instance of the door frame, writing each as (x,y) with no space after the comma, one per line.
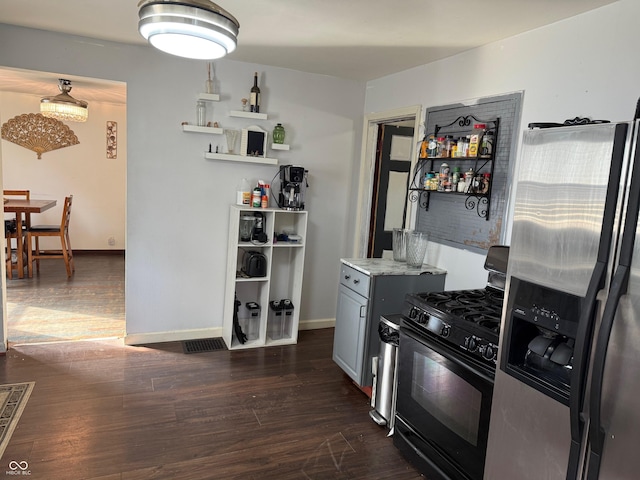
(367,168)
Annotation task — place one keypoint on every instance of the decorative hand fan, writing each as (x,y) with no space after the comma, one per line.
(38,133)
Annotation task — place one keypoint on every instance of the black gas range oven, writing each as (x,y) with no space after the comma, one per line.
(446,368)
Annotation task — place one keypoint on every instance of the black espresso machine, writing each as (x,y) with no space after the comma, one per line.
(293,184)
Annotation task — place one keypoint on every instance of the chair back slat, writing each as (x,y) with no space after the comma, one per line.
(66,214)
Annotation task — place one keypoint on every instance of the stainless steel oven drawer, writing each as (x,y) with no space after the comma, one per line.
(355,280)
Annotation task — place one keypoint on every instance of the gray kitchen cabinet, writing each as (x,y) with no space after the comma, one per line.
(370,288)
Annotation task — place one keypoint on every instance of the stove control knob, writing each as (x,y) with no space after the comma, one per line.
(490,352)
(413,313)
(446,330)
(470,343)
(423,318)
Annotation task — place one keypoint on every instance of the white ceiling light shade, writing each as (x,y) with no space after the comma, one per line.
(64,107)
(197,29)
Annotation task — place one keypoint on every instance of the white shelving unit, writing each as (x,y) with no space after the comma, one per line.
(285,266)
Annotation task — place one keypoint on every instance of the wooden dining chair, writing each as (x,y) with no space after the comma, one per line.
(9,227)
(61,231)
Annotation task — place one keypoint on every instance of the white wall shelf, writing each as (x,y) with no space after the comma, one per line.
(197,129)
(209,97)
(241,114)
(280,146)
(240,158)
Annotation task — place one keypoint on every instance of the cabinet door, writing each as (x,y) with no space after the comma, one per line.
(349,334)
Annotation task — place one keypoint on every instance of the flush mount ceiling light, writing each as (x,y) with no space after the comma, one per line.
(197,29)
(64,107)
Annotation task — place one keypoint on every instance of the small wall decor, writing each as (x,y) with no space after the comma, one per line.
(254,142)
(112,139)
(38,133)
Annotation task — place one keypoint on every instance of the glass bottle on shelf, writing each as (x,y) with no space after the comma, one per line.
(201,113)
(254,99)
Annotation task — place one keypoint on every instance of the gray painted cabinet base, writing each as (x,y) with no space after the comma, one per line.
(362,299)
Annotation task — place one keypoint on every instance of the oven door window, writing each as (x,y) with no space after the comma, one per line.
(445,401)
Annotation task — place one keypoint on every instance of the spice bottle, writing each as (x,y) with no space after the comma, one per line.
(256,199)
(443,179)
(432,150)
(441,149)
(476,139)
(486,151)
(455,179)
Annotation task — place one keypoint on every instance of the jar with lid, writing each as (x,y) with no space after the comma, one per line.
(278,134)
(455,179)
(448,144)
(444,177)
(486,150)
(441,147)
(484,184)
(454,148)
(432,148)
(468,180)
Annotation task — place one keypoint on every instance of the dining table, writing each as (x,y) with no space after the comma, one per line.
(20,206)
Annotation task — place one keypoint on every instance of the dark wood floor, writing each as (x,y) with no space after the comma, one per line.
(102,410)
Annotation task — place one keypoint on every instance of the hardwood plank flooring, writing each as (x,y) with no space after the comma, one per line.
(101,410)
(50,307)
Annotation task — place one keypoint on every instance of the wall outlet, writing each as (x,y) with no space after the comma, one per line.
(111,241)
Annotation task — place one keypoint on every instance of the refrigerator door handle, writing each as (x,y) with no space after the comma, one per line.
(596,430)
(581,363)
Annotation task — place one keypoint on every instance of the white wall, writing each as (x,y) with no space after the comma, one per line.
(177,202)
(98,184)
(586,66)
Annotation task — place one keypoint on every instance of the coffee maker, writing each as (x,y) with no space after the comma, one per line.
(293,183)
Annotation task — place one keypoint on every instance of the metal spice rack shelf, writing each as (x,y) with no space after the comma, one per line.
(480,202)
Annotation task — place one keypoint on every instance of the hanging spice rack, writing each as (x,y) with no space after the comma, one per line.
(480,202)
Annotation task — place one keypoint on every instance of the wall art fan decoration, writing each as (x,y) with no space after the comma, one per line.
(38,133)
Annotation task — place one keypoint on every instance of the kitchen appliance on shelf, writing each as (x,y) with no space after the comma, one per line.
(293,184)
(566,391)
(446,365)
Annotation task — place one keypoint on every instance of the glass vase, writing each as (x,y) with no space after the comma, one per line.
(278,134)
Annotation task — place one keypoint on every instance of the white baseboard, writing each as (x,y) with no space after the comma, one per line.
(175,336)
(317,324)
(180,335)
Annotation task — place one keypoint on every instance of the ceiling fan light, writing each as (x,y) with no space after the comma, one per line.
(196,29)
(64,107)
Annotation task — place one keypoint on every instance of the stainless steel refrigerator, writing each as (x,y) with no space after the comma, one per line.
(566,402)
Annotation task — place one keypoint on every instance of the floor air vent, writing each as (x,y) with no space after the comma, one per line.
(203,345)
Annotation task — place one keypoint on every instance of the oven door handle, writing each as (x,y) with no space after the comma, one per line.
(447,352)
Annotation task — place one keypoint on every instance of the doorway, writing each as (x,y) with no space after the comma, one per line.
(390,184)
(384,207)
(95,173)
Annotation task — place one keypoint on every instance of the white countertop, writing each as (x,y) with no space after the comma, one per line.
(383,266)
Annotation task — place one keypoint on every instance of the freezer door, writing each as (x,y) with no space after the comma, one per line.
(561,193)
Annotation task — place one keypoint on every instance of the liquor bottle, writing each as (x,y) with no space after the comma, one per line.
(254,101)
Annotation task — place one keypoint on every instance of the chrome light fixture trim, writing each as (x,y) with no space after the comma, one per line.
(197,29)
(64,107)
